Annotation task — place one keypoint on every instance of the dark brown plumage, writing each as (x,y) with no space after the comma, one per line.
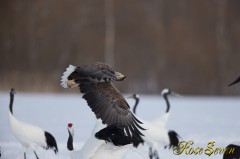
(95,82)
(99,71)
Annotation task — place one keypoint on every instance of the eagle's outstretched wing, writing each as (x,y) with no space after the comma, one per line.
(108,104)
(95,82)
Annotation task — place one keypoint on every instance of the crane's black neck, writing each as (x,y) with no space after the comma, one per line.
(70,142)
(11,103)
(165,96)
(234,82)
(136,104)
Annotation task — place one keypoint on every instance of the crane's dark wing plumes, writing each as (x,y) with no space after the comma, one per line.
(95,82)
(114,134)
(51,142)
(174,139)
(234,82)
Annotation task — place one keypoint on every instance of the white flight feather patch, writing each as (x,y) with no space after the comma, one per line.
(64,78)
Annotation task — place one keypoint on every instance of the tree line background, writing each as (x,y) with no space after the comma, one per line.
(190,46)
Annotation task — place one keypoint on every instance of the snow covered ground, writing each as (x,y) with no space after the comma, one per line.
(201,119)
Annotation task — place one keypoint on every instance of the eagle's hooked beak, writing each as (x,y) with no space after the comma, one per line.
(71,84)
(119,76)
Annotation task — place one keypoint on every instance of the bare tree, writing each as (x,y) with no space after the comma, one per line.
(31,33)
(110,32)
(221,42)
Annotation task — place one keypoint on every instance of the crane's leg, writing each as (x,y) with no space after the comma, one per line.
(156,154)
(36,155)
(25,155)
(150,153)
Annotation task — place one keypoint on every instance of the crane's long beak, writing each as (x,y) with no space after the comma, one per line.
(176,94)
(130,97)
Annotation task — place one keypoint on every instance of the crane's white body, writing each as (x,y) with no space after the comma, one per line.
(161,120)
(30,136)
(109,151)
(156,135)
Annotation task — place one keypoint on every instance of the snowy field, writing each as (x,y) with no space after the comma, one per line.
(201,119)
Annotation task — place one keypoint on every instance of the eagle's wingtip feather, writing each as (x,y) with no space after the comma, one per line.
(64,78)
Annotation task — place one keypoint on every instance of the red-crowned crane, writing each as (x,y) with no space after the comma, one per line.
(30,136)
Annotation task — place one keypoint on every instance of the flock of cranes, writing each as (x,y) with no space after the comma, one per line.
(117,129)
(156,134)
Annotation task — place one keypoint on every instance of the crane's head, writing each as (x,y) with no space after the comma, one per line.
(134,96)
(12,92)
(70,125)
(70,128)
(167,91)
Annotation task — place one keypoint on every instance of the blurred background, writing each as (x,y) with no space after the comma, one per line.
(190,46)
